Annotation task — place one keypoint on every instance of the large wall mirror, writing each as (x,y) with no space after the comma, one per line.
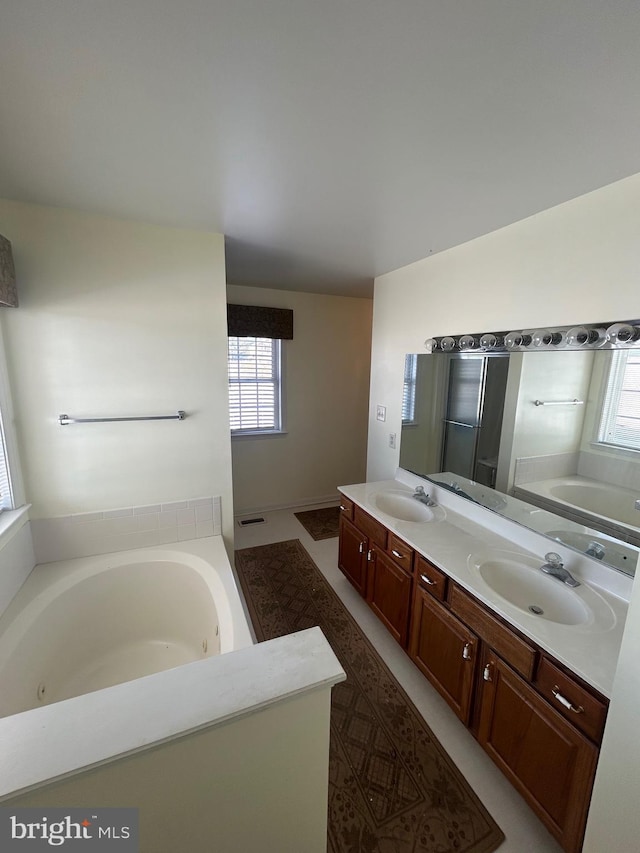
(549,438)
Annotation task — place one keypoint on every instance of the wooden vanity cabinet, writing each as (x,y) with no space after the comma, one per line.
(389,594)
(576,703)
(380,566)
(346,508)
(543,755)
(352,554)
(356,543)
(444,650)
(540,724)
(431,579)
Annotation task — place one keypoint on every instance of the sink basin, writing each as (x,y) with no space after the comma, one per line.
(517,579)
(404,507)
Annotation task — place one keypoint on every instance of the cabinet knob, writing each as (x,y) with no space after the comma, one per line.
(343,508)
(397,554)
(369,555)
(486,673)
(361,547)
(577,709)
(466,651)
(427,580)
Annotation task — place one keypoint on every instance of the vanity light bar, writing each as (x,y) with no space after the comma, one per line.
(617,335)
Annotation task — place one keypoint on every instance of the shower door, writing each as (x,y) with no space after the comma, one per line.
(473,416)
(462,414)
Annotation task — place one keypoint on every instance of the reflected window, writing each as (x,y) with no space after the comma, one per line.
(620,422)
(409,390)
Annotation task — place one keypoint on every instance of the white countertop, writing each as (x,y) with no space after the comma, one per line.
(467,529)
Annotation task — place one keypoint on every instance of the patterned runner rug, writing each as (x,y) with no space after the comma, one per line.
(392,787)
(320,523)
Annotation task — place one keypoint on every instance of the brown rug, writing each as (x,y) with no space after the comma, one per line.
(320,523)
(392,787)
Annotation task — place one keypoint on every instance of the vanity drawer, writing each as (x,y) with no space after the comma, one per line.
(430,578)
(346,507)
(511,648)
(400,552)
(585,711)
(372,529)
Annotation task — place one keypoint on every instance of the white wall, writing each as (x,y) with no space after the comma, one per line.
(577,262)
(256,783)
(117,318)
(326,392)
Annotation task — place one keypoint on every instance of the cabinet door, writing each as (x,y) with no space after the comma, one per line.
(352,555)
(444,650)
(389,595)
(544,756)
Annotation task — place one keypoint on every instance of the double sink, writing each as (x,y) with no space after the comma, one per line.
(513,576)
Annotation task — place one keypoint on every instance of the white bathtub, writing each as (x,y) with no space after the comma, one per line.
(588,502)
(87,624)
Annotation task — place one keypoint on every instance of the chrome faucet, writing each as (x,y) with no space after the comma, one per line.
(422,496)
(554,567)
(596,550)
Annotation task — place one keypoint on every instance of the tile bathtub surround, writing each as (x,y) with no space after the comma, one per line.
(530,469)
(17,559)
(101,532)
(623,471)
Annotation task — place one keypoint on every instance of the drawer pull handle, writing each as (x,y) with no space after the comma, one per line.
(466,651)
(486,674)
(369,555)
(397,554)
(577,709)
(343,508)
(427,580)
(361,547)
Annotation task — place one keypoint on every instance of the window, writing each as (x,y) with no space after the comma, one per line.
(254,385)
(6,499)
(409,389)
(620,421)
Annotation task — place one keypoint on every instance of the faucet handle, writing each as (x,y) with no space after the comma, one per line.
(553,559)
(419,490)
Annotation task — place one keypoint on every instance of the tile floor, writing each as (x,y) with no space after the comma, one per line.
(524,832)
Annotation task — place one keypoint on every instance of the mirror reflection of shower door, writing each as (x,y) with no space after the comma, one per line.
(459,449)
(462,415)
(473,416)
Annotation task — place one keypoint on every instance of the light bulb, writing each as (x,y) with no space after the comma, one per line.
(578,336)
(542,338)
(431,344)
(622,333)
(447,344)
(514,340)
(488,341)
(467,342)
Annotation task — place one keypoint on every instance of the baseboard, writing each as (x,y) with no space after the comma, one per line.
(326,500)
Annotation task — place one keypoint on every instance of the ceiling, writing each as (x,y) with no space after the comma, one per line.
(329,140)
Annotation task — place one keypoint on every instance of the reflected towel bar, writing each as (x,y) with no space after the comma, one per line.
(558,402)
(64,420)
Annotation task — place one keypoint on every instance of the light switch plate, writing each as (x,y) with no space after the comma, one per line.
(381,413)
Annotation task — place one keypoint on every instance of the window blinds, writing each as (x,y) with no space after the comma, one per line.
(620,422)
(409,389)
(254,384)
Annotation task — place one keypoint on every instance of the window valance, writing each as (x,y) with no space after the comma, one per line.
(255,321)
